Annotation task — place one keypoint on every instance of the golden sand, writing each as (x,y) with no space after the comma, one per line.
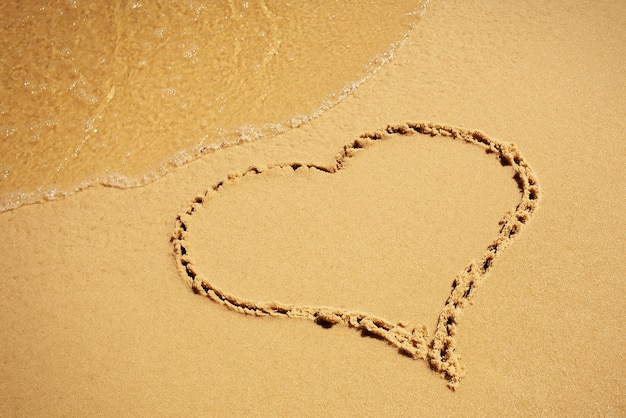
(96,319)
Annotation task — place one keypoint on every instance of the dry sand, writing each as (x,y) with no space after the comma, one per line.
(98,319)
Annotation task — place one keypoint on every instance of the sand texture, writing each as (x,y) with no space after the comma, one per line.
(462,210)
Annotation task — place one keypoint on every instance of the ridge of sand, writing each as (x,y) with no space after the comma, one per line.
(416,342)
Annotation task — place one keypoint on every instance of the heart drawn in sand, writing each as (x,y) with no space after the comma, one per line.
(416,342)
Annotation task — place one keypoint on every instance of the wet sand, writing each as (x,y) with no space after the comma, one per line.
(98,319)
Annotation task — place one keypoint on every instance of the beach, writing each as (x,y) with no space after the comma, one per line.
(98,312)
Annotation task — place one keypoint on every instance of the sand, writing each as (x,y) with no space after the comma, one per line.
(98,317)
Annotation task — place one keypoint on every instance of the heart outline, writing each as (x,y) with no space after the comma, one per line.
(440,350)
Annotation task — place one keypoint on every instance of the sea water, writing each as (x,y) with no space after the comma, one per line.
(119,92)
